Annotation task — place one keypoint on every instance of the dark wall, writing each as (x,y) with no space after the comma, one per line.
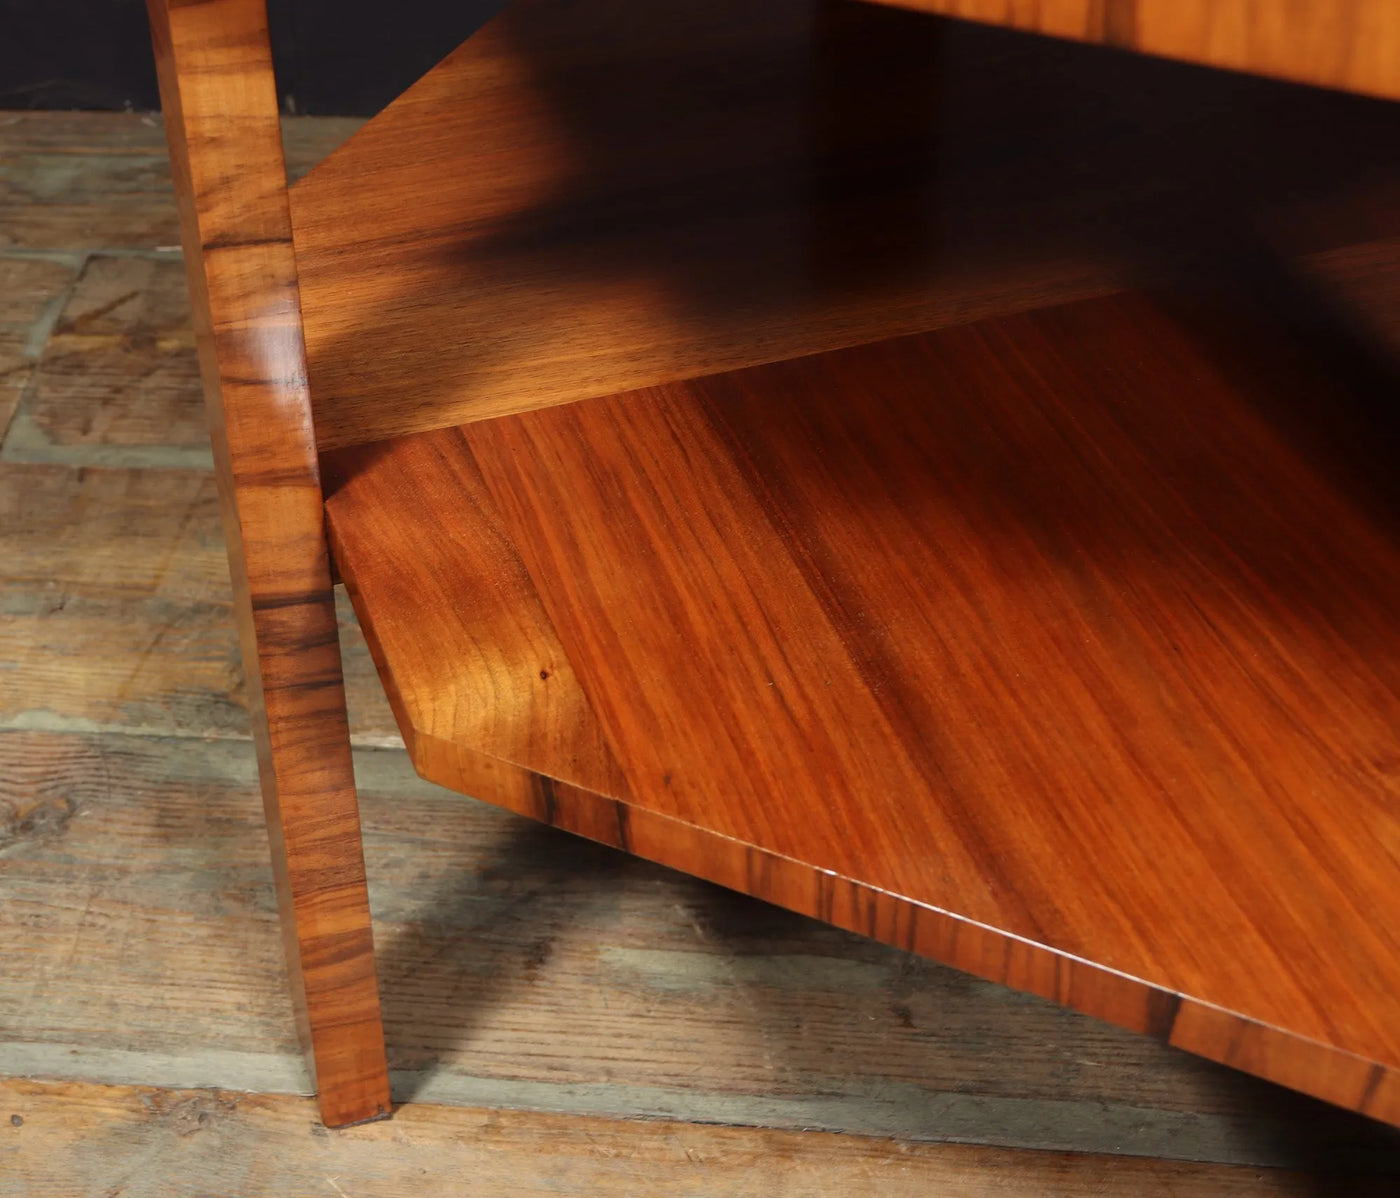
(339,57)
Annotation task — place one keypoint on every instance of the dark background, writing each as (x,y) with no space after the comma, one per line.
(333,57)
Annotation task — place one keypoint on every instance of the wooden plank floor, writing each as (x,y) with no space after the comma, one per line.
(81,1139)
(570,989)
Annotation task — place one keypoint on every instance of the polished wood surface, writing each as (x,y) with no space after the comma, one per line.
(1353,44)
(560,210)
(221,117)
(519,966)
(599,196)
(593,198)
(1059,647)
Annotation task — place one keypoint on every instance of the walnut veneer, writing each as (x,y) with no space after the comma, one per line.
(747,442)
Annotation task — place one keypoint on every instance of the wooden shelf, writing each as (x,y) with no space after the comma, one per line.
(749,443)
(600,195)
(892,557)
(1061,646)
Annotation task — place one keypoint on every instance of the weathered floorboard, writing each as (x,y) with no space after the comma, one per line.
(96,181)
(116,608)
(148,1143)
(120,366)
(116,605)
(525,968)
(29,287)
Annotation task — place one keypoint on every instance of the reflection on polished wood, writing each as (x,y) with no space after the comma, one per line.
(226,153)
(779,520)
(1060,647)
(1352,44)
(591,197)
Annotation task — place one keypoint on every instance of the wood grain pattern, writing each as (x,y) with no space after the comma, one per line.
(117,614)
(80,1139)
(611,194)
(560,211)
(116,610)
(65,182)
(120,367)
(1352,44)
(524,968)
(101,180)
(1051,647)
(27,288)
(221,108)
(518,966)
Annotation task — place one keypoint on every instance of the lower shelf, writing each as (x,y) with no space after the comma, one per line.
(1060,647)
